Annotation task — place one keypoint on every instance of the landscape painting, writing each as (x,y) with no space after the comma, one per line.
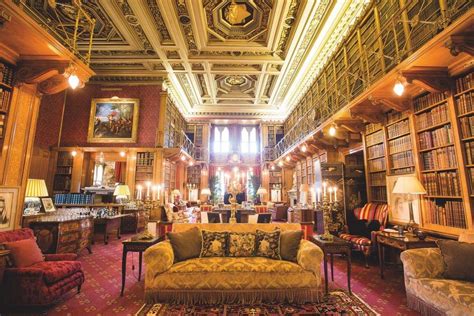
(113,120)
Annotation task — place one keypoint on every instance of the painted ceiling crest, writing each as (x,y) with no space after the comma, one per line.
(219,58)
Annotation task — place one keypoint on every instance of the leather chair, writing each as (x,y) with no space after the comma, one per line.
(361,230)
(43,283)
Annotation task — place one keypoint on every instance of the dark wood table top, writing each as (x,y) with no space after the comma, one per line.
(336,241)
(135,240)
(406,238)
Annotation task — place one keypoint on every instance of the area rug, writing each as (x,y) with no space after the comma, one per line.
(336,303)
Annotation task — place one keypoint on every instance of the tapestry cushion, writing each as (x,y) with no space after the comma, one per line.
(453,252)
(241,245)
(55,271)
(289,244)
(268,244)
(24,253)
(186,245)
(213,243)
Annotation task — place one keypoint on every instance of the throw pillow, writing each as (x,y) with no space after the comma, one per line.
(213,243)
(24,252)
(289,244)
(268,244)
(453,253)
(186,245)
(241,245)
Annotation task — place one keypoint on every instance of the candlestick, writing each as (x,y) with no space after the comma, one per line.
(335,194)
(139,192)
(330,194)
(148,186)
(324,188)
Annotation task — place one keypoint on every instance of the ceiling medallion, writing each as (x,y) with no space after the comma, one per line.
(235,80)
(237,14)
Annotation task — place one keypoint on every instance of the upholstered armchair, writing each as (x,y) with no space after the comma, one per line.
(363,225)
(42,283)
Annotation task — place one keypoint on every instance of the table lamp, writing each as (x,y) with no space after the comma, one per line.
(261,192)
(206,192)
(409,185)
(35,188)
(122,193)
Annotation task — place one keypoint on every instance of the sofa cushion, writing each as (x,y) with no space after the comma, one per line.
(241,245)
(455,297)
(456,269)
(187,244)
(290,243)
(213,243)
(24,252)
(268,244)
(55,271)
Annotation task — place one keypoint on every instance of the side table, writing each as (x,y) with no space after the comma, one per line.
(135,244)
(393,240)
(337,246)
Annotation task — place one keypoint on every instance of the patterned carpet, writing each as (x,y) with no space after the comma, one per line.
(100,294)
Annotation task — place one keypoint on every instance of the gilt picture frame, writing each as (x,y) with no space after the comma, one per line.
(113,120)
(398,203)
(8,207)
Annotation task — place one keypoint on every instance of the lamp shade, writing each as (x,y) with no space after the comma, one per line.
(176,192)
(408,185)
(122,190)
(304,187)
(261,190)
(36,188)
(206,191)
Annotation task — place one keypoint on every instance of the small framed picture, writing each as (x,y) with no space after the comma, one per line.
(48,204)
(8,207)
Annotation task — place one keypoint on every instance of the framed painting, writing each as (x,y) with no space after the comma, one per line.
(48,204)
(8,207)
(113,121)
(398,203)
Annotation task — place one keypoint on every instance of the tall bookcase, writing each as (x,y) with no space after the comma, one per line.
(144,169)
(6,89)
(374,143)
(275,184)
(399,144)
(63,175)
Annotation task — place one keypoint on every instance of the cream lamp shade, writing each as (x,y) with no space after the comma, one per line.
(261,191)
(36,188)
(408,185)
(176,192)
(304,187)
(122,190)
(206,191)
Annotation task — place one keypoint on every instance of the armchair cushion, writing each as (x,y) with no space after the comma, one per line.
(422,263)
(24,252)
(186,245)
(54,271)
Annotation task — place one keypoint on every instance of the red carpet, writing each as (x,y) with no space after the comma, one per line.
(100,293)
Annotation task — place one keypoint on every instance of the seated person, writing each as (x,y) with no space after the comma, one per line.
(227,197)
(241,197)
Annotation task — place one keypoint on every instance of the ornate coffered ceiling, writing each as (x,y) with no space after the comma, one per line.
(218,58)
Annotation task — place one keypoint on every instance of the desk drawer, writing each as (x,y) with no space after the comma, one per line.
(66,238)
(68,248)
(68,227)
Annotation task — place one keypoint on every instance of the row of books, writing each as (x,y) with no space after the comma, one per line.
(372,127)
(402,160)
(4,99)
(440,158)
(442,183)
(439,137)
(376,151)
(6,74)
(465,103)
(377,164)
(400,144)
(450,214)
(467,126)
(469,147)
(374,138)
(398,129)
(470,179)
(73,198)
(465,83)
(2,124)
(63,170)
(393,116)
(425,101)
(64,162)
(378,178)
(436,116)
(379,193)
(403,170)
(145,158)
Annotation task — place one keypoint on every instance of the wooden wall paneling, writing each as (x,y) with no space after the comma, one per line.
(158,173)
(131,170)
(53,160)
(160,130)
(39,163)
(76,177)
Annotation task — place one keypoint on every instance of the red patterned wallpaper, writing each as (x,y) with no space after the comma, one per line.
(76,115)
(49,120)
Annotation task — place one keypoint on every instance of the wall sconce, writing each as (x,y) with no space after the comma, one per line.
(332,130)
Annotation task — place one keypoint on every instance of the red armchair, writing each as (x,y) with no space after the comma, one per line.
(43,283)
(361,230)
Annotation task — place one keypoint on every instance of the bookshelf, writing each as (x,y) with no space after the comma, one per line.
(169,176)
(63,175)
(374,144)
(444,206)
(144,168)
(399,143)
(194,175)
(6,89)
(275,184)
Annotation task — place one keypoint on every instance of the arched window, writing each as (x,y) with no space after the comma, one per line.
(225,143)
(221,140)
(217,140)
(244,140)
(253,140)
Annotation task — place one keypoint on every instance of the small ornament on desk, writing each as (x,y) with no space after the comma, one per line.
(421,234)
